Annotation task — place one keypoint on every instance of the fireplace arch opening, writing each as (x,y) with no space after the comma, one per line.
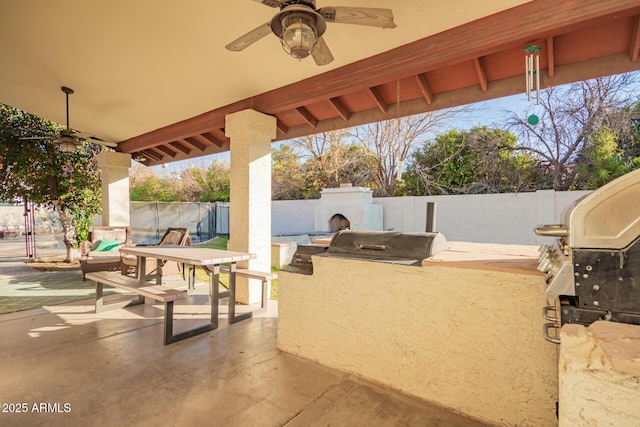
(339,222)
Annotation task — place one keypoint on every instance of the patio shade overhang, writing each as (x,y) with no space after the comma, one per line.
(159,108)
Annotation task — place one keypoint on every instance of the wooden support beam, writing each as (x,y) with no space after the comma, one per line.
(423,84)
(282,128)
(307,116)
(482,77)
(219,134)
(212,139)
(152,154)
(635,40)
(205,141)
(378,98)
(180,147)
(340,108)
(168,151)
(194,143)
(551,59)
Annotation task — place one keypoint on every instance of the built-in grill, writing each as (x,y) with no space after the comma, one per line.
(376,246)
(301,261)
(593,269)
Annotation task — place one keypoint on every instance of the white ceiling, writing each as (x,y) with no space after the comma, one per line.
(138,65)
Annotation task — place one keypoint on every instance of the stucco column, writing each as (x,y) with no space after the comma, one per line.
(115,187)
(251,134)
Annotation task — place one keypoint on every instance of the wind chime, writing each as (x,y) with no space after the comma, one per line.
(532,77)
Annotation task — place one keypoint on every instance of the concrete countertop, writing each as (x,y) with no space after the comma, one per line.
(522,259)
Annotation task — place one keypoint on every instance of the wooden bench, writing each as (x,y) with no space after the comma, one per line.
(253,274)
(242,272)
(158,293)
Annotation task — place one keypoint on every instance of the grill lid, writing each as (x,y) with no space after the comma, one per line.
(608,218)
(387,246)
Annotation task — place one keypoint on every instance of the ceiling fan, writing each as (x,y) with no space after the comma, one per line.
(68,139)
(300,26)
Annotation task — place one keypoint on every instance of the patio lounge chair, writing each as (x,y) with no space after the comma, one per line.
(173,236)
(101,252)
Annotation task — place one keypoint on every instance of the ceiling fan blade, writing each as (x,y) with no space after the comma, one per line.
(369,16)
(321,53)
(270,3)
(101,142)
(250,38)
(93,139)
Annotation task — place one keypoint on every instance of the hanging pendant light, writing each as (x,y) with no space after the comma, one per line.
(299,36)
(298,29)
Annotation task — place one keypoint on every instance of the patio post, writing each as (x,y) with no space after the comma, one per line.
(115,187)
(251,134)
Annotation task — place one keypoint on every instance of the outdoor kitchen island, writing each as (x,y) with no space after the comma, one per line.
(462,330)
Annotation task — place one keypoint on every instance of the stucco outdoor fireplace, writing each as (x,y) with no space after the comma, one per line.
(347,207)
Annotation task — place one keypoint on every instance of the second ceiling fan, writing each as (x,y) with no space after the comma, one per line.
(68,139)
(300,26)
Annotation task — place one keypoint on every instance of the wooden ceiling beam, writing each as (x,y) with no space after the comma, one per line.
(339,107)
(168,151)
(307,116)
(424,87)
(219,134)
(570,73)
(211,121)
(482,76)
(282,128)
(205,141)
(211,139)
(378,98)
(635,40)
(152,154)
(194,143)
(551,59)
(180,147)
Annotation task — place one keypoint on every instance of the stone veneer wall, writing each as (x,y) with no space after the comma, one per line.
(465,337)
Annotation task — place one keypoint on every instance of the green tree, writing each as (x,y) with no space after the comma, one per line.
(330,159)
(287,178)
(571,117)
(601,160)
(214,183)
(467,162)
(190,184)
(144,185)
(391,143)
(37,171)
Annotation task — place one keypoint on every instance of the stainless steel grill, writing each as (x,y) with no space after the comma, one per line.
(593,270)
(376,246)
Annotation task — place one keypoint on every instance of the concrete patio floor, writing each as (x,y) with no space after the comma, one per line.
(66,365)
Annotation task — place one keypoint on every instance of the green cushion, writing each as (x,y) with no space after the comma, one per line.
(107,245)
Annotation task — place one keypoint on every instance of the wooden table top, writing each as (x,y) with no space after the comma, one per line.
(188,254)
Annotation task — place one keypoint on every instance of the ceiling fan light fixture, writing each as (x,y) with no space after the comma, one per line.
(299,35)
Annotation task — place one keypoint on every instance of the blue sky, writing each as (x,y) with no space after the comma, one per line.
(496,111)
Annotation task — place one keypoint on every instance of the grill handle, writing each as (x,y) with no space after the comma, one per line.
(547,316)
(372,247)
(546,313)
(545,332)
(551,230)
